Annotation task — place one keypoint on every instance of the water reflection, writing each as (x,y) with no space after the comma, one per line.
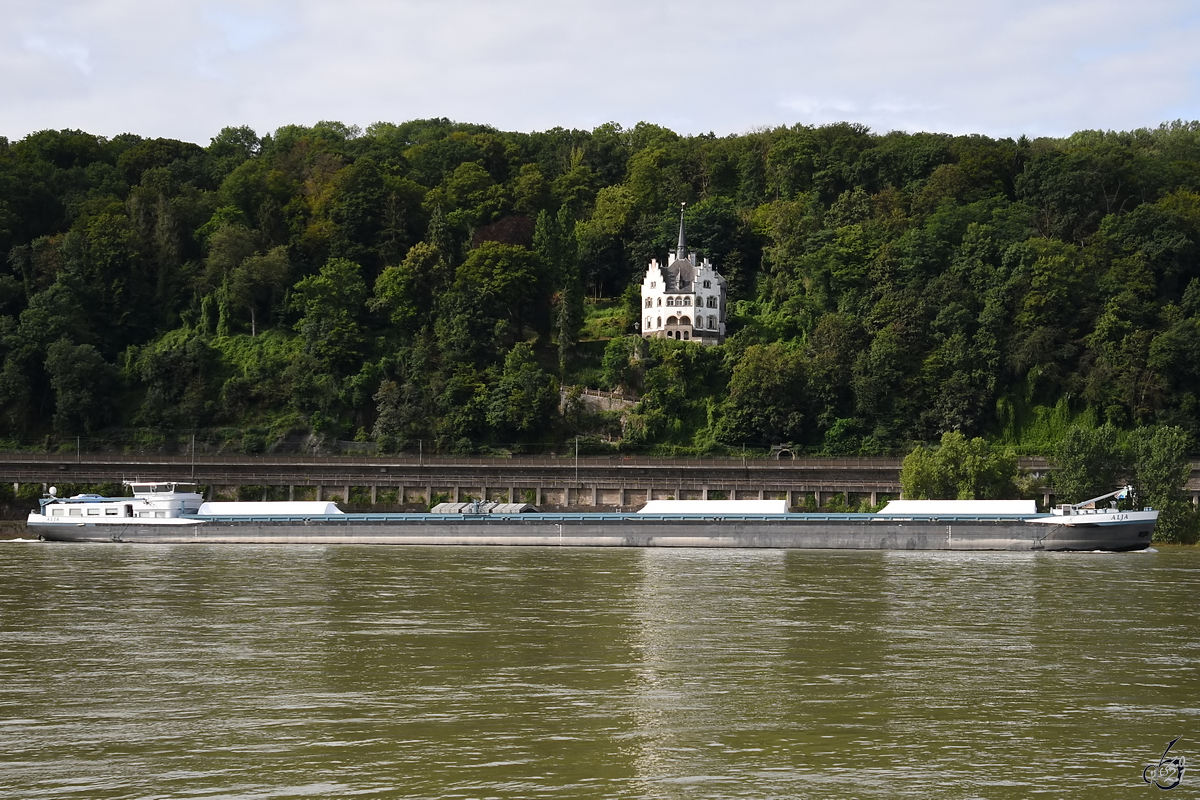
(271,672)
(706,663)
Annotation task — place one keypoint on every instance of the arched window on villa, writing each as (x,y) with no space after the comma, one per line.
(685,320)
(670,301)
(660,322)
(647,322)
(712,323)
(660,301)
(687,301)
(649,302)
(712,302)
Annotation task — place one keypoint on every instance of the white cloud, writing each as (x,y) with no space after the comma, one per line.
(190,67)
(73,54)
(245,32)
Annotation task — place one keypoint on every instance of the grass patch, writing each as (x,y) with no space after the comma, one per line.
(1035,429)
(603,319)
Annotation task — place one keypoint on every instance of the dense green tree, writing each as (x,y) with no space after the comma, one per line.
(958,469)
(530,190)
(188,159)
(407,292)
(392,417)
(555,243)
(768,395)
(405,399)
(177,373)
(883,386)
(228,246)
(499,296)
(356,212)
(330,304)
(1088,462)
(624,361)
(84,387)
(255,282)
(231,148)
(676,391)
(1160,468)
(524,397)
(603,239)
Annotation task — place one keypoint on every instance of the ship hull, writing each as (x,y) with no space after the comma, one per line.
(834,532)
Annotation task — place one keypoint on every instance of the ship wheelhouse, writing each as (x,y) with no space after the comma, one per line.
(161,500)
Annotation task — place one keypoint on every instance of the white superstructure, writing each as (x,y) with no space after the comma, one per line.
(164,503)
(160,502)
(948,507)
(715,507)
(273,508)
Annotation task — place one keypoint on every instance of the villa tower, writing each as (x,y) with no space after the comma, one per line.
(684,300)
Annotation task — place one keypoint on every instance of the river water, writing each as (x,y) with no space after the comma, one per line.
(251,672)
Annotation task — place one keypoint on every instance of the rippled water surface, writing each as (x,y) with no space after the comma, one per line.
(251,672)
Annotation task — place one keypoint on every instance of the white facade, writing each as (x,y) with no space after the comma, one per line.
(684,300)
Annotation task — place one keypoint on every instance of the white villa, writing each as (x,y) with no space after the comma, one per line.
(685,300)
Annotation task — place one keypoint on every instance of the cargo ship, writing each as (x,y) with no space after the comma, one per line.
(165,512)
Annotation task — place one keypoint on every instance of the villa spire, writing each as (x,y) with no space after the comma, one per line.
(681,248)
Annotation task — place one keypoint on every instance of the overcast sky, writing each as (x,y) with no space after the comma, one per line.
(187,68)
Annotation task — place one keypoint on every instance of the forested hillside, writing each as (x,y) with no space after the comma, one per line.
(438,282)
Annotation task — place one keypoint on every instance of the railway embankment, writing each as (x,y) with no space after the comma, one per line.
(406,483)
(385,484)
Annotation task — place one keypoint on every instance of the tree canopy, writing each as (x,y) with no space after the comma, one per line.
(403,283)
(958,469)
